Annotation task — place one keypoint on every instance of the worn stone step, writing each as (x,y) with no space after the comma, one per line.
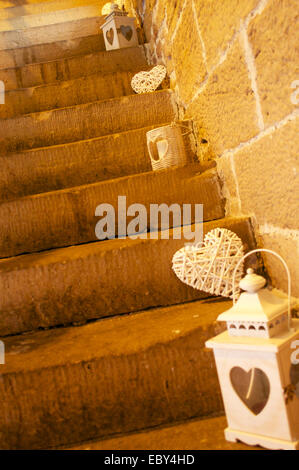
(95,280)
(21,56)
(119,60)
(66,385)
(68,165)
(84,162)
(67,217)
(51,33)
(43,18)
(42,7)
(86,121)
(195,434)
(67,93)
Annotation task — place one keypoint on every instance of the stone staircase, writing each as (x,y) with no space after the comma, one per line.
(101,338)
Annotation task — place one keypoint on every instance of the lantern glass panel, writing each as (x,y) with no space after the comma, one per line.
(252,387)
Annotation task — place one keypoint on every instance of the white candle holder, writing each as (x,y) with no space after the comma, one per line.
(119,30)
(166,146)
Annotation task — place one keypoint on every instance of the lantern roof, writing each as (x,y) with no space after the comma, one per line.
(116,11)
(256,303)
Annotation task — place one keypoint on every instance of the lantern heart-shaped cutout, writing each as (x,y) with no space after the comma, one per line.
(146,82)
(110,36)
(294,376)
(158,148)
(252,387)
(127,32)
(209,266)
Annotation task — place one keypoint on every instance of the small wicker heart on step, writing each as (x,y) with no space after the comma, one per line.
(209,266)
(110,36)
(127,32)
(145,82)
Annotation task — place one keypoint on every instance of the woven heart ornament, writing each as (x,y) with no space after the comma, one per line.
(209,266)
(145,82)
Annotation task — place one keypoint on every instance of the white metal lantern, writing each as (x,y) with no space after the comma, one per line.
(257,367)
(119,29)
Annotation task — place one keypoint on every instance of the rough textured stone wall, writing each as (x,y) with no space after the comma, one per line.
(234,67)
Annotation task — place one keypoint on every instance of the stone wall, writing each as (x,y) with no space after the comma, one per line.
(234,67)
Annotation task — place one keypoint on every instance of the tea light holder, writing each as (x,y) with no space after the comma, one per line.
(166,146)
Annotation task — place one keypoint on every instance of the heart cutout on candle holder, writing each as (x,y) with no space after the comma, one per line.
(146,82)
(127,32)
(158,148)
(294,376)
(209,266)
(252,387)
(110,36)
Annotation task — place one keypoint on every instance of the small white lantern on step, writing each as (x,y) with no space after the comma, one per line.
(119,29)
(257,366)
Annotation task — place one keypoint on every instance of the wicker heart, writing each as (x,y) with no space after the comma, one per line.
(158,148)
(127,32)
(110,36)
(145,82)
(209,267)
(252,387)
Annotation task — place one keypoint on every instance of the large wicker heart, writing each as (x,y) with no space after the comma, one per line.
(146,82)
(209,267)
(252,387)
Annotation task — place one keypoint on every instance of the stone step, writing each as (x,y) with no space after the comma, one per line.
(67,217)
(119,60)
(42,18)
(86,121)
(51,33)
(119,375)
(85,282)
(195,434)
(43,7)
(62,94)
(68,165)
(84,162)
(49,51)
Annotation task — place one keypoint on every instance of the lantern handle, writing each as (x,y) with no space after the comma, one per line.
(287,271)
(175,123)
